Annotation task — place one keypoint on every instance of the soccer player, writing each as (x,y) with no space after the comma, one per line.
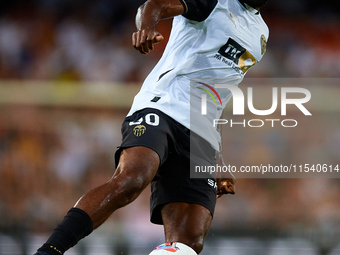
(211,42)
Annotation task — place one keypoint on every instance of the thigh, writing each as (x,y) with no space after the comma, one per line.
(137,163)
(186,223)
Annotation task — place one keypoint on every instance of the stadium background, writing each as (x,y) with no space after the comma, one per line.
(68,74)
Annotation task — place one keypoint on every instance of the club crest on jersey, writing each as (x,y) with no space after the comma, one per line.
(263,44)
(139,130)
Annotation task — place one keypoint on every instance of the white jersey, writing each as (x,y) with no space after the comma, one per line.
(218,50)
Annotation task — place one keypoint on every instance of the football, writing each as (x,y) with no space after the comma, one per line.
(173,248)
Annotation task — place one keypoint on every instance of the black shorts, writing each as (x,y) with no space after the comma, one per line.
(171,140)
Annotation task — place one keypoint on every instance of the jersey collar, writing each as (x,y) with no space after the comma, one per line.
(249,8)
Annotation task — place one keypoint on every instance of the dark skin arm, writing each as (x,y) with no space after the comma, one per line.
(225,182)
(225,186)
(147,18)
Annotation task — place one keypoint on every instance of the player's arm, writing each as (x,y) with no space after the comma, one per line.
(147,18)
(152,11)
(225,183)
(225,186)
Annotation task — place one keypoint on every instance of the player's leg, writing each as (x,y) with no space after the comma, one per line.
(184,205)
(186,226)
(137,167)
(186,223)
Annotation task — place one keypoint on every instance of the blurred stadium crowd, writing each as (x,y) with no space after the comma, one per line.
(90,40)
(49,156)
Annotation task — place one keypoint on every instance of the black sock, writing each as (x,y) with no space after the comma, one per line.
(76,225)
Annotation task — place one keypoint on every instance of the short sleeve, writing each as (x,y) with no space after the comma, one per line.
(198,10)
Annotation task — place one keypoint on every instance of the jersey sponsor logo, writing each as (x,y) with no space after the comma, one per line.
(139,130)
(212,183)
(232,50)
(238,54)
(263,44)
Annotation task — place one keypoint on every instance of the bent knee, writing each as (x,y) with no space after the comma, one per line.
(127,183)
(128,187)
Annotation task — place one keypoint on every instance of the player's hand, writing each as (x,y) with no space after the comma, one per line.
(225,186)
(144,39)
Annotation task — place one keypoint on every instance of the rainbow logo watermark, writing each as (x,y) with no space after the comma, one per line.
(204,97)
